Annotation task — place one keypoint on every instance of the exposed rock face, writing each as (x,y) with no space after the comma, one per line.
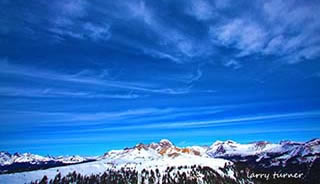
(163,148)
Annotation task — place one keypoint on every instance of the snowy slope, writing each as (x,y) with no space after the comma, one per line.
(153,156)
(104,164)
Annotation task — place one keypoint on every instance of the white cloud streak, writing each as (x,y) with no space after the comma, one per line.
(101,118)
(39,118)
(11,69)
(59,93)
(87,31)
(232,63)
(211,123)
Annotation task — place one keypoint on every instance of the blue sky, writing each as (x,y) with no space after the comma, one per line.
(83,77)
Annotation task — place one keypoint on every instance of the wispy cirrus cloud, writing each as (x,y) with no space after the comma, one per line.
(205,10)
(64,12)
(65,20)
(212,123)
(170,41)
(275,31)
(245,36)
(240,120)
(232,63)
(98,116)
(195,76)
(81,118)
(147,138)
(202,10)
(7,68)
(131,116)
(271,28)
(88,31)
(59,93)
(161,55)
(187,77)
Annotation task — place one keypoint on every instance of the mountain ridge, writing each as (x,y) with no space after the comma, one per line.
(227,160)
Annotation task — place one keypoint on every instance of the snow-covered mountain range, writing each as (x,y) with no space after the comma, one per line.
(18,162)
(222,157)
(268,154)
(8,159)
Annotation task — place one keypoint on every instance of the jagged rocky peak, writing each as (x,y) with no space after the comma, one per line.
(141,146)
(216,143)
(230,142)
(289,143)
(16,154)
(227,142)
(165,143)
(313,142)
(260,144)
(311,146)
(162,143)
(164,148)
(4,153)
(220,147)
(167,148)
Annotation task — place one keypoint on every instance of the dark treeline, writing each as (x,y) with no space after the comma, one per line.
(311,172)
(172,175)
